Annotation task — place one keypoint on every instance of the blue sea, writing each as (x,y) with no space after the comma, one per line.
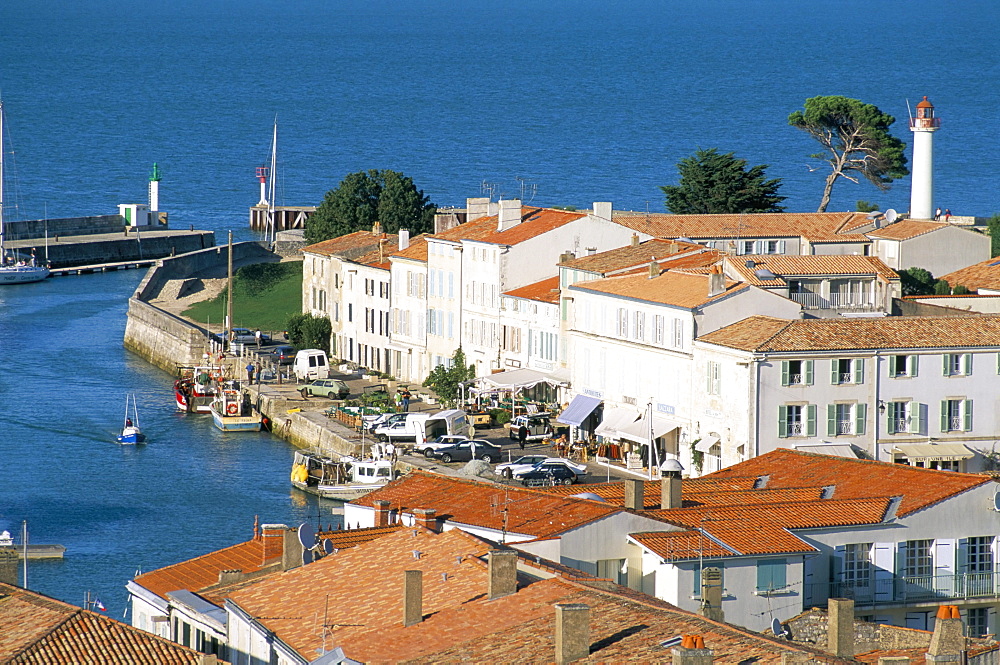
(560,103)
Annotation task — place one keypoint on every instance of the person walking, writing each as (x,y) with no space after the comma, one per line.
(406,400)
(398,399)
(249,369)
(257,337)
(522,436)
(257,370)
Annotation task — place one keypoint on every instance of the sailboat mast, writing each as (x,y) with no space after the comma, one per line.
(229,296)
(271,226)
(3,258)
(24,545)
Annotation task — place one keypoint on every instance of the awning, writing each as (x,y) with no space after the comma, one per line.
(639,430)
(835,449)
(521,378)
(614,419)
(578,410)
(706,443)
(939,452)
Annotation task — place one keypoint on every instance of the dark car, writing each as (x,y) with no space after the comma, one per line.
(548,473)
(464,451)
(284,354)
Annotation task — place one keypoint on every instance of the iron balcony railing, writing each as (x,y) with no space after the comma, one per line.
(918,588)
(834,301)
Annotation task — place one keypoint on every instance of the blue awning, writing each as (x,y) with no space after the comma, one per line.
(578,410)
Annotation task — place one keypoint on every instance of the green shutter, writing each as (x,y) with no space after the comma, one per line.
(808,379)
(782,421)
(831,420)
(944,415)
(892,365)
(834,371)
(914,362)
(968,364)
(784,372)
(968,415)
(859,370)
(890,418)
(860,416)
(916,427)
(946,363)
(811,420)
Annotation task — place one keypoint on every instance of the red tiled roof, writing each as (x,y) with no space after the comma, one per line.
(417,250)
(985,275)
(810,265)
(535,222)
(352,244)
(528,512)
(546,290)
(814,226)
(906,229)
(680,289)
(38,629)
(631,256)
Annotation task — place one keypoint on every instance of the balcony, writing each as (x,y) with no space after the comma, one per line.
(848,301)
(916,589)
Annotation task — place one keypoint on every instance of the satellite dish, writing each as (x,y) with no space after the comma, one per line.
(777,628)
(996,502)
(874,214)
(891,215)
(307,557)
(307,536)
(328,546)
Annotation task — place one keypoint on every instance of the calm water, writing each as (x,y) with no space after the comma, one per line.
(581,101)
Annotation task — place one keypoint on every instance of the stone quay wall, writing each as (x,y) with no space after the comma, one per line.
(65,226)
(134,247)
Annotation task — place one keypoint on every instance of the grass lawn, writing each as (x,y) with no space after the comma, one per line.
(257,304)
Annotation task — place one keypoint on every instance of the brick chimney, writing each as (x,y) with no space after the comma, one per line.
(635,494)
(273,536)
(716,281)
(840,627)
(404,239)
(381,512)
(692,651)
(510,214)
(502,573)
(947,642)
(602,210)
(426,517)
(413,597)
(572,632)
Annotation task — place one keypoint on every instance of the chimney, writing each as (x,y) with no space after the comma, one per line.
(635,494)
(273,536)
(510,214)
(603,211)
(291,555)
(503,573)
(476,208)
(426,517)
(692,651)
(377,229)
(381,512)
(673,247)
(404,239)
(840,627)
(8,566)
(230,576)
(947,641)
(572,632)
(670,491)
(635,239)
(654,269)
(566,257)
(711,594)
(207,659)
(716,281)
(413,597)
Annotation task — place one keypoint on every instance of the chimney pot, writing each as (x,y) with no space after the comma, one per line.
(603,210)
(947,639)
(572,632)
(413,597)
(510,214)
(502,573)
(381,512)
(635,494)
(635,239)
(654,269)
(404,239)
(426,517)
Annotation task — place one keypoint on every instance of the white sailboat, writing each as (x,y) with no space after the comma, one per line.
(12,270)
(130,431)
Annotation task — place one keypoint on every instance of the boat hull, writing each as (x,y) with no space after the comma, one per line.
(346,492)
(131,435)
(236,423)
(22,274)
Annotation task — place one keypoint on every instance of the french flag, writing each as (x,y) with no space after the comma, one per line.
(99,605)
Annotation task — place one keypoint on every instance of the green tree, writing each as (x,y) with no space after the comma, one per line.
(961,290)
(856,141)
(445,381)
(306,331)
(993,228)
(865,206)
(366,197)
(713,183)
(916,282)
(942,288)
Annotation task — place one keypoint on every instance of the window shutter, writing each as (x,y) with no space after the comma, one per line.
(811,420)
(914,361)
(944,565)
(708,375)
(944,415)
(962,555)
(782,421)
(883,560)
(968,364)
(831,420)
(837,564)
(784,372)
(968,415)
(860,416)
(859,370)
(916,424)
(781,247)
(946,363)
(808,379)
(890,419)
(893,370)
(834,371)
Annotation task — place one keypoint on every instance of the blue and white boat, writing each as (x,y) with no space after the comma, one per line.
(231,414)
(131,432)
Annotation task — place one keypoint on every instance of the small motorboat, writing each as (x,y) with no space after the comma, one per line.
(130,432)
(231,413)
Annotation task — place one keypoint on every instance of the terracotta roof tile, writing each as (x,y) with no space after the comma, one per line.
(985,275)
(631,256)
(352,244)
(417,249)
(679,289)
(535,222)
(815,227)
(546,290)
(767,334)
(906,229)
(803,266)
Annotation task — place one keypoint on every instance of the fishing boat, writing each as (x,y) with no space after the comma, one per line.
(14,270)
(345,479)
(231,414)
(196,388)
(130,431)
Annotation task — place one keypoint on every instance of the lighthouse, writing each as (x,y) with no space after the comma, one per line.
(154,189)
(262,174)
(923,127)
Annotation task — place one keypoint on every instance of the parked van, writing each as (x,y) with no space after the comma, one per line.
(420,427)
(311,364)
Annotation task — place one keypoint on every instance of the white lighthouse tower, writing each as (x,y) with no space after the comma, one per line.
(923,127)
(262,174)
(154,189)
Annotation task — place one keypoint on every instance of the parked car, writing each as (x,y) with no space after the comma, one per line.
(529,462)
(538,424)
(443,441)
(247,336)
(466,450)
(381,420)
(548,473)
(332,388)
(284,354)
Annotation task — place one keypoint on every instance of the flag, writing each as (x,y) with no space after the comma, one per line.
(99,605)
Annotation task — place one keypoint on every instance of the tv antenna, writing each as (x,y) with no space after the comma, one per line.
(489,188)
(527,188)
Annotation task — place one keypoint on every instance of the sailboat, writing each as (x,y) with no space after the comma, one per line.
(12,270)
(130,431)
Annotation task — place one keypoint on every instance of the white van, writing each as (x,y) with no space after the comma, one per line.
(419,427)
(311,364)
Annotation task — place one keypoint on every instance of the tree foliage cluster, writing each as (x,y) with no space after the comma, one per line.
(445,381)
(306,331)
(719,183)
(366,197)
(993,228)
(920,282)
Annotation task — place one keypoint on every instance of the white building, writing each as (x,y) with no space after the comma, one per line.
(408,338)
(934,246)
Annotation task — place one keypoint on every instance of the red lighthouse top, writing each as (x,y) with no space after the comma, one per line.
(925,116)
(263,171)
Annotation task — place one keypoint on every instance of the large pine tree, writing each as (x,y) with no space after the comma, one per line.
(714,183)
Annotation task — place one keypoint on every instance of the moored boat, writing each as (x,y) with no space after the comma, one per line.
(196,388)
(231,413)
(345,479)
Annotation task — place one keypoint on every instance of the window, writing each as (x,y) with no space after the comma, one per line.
(350,312)
(615,570)
(639,329)
(902,366)
(678,333)
(956,415)
(847,370)
(714,374)
(918,561)
(979,554)
(905,416)
(957,364)
(622,322)
(846,418)
(658,332)
(796,420)
(977,620)
(857,564)
(796,372)
(770,576)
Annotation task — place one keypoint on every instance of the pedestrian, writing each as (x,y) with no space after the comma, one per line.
(947,215)
(257,369)
(257,337)
(937,214)
(406,400)
(249,369)
(398,399)
(390,452)
(522,436)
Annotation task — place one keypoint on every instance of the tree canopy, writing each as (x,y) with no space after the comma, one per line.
(993,228)
(856,141)
(366,197)
(306,331)
(714,183)
(917,282)
(445,381)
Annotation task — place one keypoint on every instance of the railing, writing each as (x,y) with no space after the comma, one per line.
(846,377)
(956,424)
(794,379)
(834,301)
(794,429)
(844,427)
(900,425)
(919,588)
